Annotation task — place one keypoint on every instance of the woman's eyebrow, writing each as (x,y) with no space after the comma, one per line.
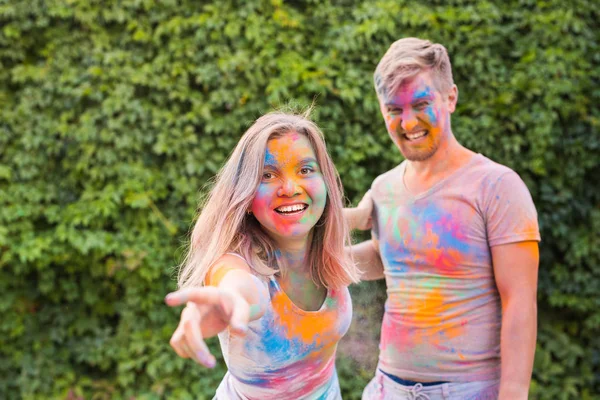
(305,160)
(308,160)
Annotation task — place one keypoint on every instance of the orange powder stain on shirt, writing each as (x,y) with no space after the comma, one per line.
(427,312)
(306,326)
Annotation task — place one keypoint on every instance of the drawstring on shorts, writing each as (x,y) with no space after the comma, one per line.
(417,394)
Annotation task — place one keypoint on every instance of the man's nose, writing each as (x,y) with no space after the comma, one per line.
(289,188)
(409,121)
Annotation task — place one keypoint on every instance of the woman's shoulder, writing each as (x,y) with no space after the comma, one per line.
(338,298)
(227,262)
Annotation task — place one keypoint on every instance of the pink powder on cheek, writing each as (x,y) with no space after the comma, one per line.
(261,198)
(261,204)
(263,211)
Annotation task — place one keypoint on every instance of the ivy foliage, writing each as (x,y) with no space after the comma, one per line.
(114,114)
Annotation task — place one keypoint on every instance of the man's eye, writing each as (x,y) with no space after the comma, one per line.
(394,111)
(421,105)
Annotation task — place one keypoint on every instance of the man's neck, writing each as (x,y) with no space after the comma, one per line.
(420,176)
(448,157)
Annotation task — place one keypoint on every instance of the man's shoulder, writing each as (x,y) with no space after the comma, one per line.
(487,181)
(391,175)
(485,169)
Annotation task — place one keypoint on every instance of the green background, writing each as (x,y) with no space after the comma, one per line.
(115,114)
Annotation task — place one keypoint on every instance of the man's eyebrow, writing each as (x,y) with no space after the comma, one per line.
(423,94)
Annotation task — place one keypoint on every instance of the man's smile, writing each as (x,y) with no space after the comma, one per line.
(415,135)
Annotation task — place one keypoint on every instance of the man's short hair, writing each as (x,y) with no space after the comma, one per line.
(408,57)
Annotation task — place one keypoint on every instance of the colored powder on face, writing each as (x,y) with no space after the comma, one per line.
(424,93)
(270,158)
(431,113)
(294,177)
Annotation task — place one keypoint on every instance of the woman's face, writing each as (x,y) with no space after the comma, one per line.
(292,194)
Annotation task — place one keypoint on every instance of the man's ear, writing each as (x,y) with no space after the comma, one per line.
(452,98)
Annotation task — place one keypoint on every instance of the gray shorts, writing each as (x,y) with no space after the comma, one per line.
(382,387)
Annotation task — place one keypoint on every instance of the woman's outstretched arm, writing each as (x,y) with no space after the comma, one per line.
(232,298)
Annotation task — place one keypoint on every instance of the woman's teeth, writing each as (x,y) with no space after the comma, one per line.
(291,209)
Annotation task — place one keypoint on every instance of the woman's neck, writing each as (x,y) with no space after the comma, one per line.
(292,254)
(293,259)
(296,280)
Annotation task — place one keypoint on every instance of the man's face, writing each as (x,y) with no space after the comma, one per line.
(417,116)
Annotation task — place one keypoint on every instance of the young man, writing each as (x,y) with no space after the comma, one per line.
(455,235)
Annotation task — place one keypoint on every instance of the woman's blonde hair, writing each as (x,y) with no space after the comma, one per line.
(224,226)
(408,57)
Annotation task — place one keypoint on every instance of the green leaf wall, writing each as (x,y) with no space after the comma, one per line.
(115,114)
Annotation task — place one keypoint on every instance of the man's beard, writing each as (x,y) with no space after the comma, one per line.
(418,154)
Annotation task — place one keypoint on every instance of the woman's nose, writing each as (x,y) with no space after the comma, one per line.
(288,188)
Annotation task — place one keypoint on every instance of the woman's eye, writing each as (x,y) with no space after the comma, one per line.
(267,175)
(305,171)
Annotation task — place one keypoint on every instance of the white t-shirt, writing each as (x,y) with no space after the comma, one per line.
(443,313)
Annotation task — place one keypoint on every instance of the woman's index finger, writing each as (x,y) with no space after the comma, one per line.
(203,295)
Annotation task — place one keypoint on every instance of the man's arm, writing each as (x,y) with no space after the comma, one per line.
(360,216)
(516,271)
(367,258)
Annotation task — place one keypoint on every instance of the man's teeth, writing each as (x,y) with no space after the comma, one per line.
(416,135)
(295,207)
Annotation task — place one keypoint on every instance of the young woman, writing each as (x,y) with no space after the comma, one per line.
(266,269)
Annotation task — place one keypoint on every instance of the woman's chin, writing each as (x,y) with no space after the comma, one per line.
(292,236)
